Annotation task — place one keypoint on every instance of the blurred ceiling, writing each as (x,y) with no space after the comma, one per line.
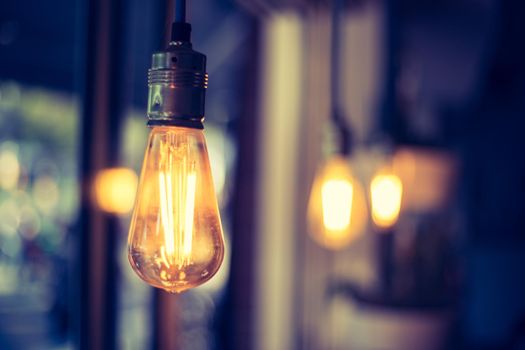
(42,43)
(37,42)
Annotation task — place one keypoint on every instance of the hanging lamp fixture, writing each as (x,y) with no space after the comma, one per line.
(337,204)
(175,238)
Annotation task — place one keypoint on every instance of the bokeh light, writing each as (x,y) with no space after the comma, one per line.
(386,192)
(115,189)
(337,213)
(9,166)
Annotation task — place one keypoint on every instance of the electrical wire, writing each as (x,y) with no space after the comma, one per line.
(180,29)
(180,11)
(338,118)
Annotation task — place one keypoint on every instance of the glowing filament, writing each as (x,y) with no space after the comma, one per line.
(165,215)
(190,208)
(177,220)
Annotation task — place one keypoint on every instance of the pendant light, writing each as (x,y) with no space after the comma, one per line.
(337,204)
(175,237)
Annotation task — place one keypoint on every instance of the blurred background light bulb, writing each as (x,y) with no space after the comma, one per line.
(336,208)
(114,190)
(175,238)
(386,191)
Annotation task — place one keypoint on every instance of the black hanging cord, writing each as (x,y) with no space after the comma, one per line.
(180,11)
(180,30)
(338,117)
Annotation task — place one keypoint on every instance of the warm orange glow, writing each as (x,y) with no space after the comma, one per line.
(337,198)
(175,238)
(431,176)
(115,190)
(386,191)
(337,209)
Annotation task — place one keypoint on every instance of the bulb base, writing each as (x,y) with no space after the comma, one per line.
(177,83)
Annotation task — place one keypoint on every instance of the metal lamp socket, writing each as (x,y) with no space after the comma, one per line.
(177,83)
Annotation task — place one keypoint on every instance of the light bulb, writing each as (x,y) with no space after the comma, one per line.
(386,191)
(336,209)
(175,239)
(114,190)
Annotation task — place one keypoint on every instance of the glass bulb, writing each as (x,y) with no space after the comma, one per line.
(175,238)
(337,208)
(386,191)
